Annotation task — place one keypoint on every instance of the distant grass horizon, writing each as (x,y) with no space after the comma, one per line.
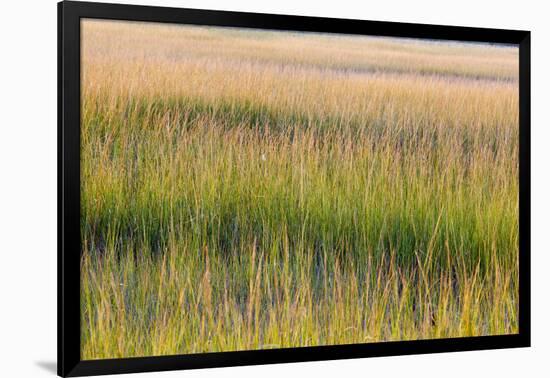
(245,189)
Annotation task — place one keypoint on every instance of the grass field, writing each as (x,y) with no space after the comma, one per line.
(250,189)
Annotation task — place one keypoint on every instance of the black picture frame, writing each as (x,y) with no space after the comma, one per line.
(69,15)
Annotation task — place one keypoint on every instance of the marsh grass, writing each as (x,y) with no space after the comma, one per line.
(247,189)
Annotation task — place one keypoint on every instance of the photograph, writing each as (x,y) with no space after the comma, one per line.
(249,189)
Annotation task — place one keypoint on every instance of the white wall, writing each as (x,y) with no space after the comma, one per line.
(28,185)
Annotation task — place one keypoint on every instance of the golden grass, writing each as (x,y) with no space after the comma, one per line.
(252,189)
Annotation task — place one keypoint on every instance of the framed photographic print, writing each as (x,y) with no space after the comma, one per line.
(239,188)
